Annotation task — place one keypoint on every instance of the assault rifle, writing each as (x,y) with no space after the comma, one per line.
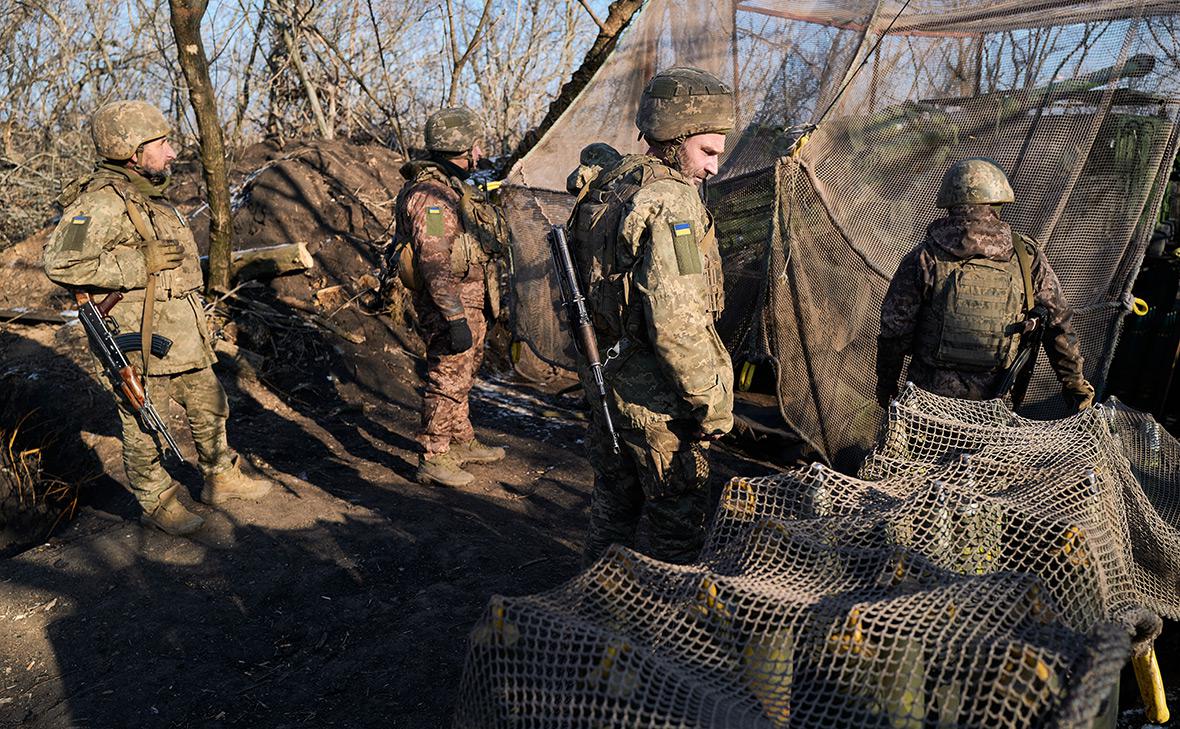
(1032,331)
(579,318)
(114,362)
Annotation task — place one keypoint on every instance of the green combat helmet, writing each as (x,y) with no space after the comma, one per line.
(680,102)
(120,127)
(974,181)
(452,130)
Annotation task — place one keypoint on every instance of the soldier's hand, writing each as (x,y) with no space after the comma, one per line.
(1078,393)
(460,336)
(162,255)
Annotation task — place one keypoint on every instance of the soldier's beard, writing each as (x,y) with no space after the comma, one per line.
(156,177)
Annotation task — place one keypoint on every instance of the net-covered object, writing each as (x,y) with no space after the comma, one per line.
(989,575)
(1129,505)
(1076,101)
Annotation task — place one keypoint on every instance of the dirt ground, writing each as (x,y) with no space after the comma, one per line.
(342,600)
(345,598)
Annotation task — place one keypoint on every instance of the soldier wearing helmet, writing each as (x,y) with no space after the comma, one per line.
(453,239)
(119,233)
(960,301)
(650,267)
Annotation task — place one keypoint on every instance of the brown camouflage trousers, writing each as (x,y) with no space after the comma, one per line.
(206,407)
(446,413)
(661,472)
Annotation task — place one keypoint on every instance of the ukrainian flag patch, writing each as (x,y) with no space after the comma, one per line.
(75,234)
(434,221)
(688,254)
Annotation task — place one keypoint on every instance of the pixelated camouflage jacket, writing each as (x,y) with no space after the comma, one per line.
(667,288)
(455,236)
(969,231)
(96,247)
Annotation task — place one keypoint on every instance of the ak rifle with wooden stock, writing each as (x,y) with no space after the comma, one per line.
(579,319)
(111,351)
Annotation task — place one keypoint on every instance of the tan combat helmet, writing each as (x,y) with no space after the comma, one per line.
(974,181)
(453,130)
(680,102)
(120,127)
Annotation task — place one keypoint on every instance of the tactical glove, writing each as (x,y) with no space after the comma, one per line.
(460,336)
(885,394)
(1078,393)
(162,255)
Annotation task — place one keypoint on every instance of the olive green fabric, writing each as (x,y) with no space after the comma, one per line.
(119,127)
(110,257)
(682,101)
(974,304)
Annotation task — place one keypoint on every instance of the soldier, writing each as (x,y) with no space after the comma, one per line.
(958,300)
(648,261)
(455,236)
(119,233)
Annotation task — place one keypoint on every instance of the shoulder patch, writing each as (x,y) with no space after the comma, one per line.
(434,221)
(688,253)
(75,233)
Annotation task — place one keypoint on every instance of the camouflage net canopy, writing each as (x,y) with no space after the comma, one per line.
(1077,102)
(992,575)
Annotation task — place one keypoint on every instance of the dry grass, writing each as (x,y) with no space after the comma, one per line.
(24,484)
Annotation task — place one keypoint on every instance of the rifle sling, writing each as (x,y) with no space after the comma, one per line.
(1024,260)
(149,299)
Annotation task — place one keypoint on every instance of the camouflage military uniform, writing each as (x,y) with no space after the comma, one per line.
(455,236)
(969,231)
(96,247)
(657,299)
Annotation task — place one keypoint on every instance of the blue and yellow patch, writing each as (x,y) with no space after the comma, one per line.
(75,234)
(688,255)
(434,221)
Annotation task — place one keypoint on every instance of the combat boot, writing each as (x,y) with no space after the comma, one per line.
(170,516)
(475,452)
(232,484)
(442,469)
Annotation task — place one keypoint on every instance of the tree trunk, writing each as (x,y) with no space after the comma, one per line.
(617,18)
(186,26)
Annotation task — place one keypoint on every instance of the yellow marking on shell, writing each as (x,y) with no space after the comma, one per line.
(851,638)
(746,376)
(1074,546)
(738,497)
(709,602)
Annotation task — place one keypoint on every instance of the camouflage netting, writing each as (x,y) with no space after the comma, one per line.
(990,576)
(1076,101)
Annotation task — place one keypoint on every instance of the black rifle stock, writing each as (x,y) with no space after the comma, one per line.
(1017,377)
(579,318)
(123,375)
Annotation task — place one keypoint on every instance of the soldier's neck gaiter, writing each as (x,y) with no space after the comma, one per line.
(142,184)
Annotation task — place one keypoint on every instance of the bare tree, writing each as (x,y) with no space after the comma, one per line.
(617,18)
(459,60)
(186,25)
